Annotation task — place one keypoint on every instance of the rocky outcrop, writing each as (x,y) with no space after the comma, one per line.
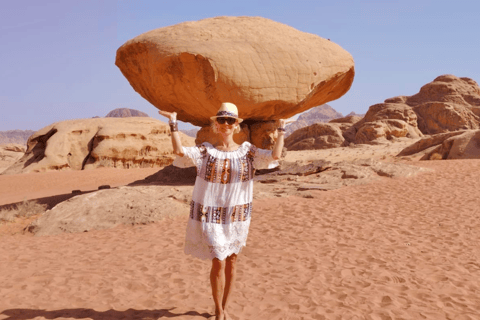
(108,208)
(103,142)
(125,113)
(316,136)
(268,69)
(264,134)
(451,145)
(386,120)
(9,154)
(446,104)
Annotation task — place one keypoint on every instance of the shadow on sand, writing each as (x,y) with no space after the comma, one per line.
(167,176)
(81,313)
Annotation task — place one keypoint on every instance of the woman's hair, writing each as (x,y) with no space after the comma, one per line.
(214,127)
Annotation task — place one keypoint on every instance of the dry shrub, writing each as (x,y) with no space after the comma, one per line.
(7,215)
(25,209)
(436,156)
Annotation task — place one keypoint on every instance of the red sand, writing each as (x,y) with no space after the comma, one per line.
(393,249)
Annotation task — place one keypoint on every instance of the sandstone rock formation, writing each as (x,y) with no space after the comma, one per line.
(463,144)
(103,142)
(9,154)
(125,113)
(385,121)
(106,209)
(269,70)
(264,134)
(446,104)
(316,136)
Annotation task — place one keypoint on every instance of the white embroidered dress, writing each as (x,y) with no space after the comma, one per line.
(221,206)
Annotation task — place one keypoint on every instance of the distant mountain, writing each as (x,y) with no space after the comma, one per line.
(323,113)
(15,136)
(191,132)
(125,113)
(353,113)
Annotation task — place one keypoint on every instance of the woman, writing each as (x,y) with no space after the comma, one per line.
(222,197)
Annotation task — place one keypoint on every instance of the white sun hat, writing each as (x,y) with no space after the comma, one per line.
(227,109)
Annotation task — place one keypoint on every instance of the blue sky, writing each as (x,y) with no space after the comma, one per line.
(57,57)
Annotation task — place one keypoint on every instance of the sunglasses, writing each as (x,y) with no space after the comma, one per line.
(230,121)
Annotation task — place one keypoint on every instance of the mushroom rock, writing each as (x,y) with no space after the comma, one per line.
(101,142)
(267,69)
(316,136)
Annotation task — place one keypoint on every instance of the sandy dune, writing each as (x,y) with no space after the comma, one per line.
(393,249)
(18,187)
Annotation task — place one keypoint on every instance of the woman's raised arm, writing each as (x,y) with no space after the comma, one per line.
(278,146)
(176,141)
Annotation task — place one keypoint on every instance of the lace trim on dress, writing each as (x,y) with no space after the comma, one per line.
(214,248)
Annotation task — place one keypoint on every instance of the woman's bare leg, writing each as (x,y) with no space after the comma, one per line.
(230,277)
(217,280)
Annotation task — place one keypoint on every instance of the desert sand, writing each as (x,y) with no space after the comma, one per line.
(403,248)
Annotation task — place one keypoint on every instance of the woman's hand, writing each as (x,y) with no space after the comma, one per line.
(176,141)
(172,116)
(278,146)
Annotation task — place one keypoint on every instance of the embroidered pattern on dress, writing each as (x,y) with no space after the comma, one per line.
(220,215)
(220,170)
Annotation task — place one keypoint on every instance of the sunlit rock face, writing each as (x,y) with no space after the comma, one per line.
(268,69)
(137,142)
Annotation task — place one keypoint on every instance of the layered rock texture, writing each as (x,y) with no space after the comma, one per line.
(464,144)
(9,154)
(125,113)
(447,104)
(268,69)
(102,142)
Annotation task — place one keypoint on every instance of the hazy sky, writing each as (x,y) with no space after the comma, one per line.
(57,57)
